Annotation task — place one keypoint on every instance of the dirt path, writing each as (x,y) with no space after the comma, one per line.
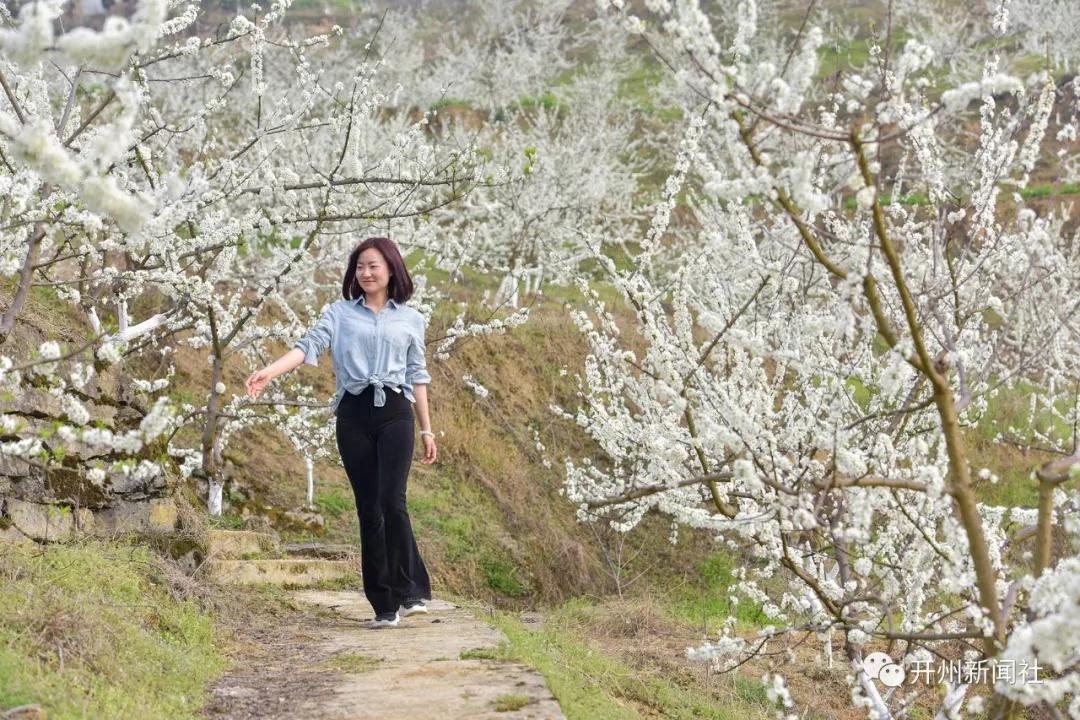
(327,664)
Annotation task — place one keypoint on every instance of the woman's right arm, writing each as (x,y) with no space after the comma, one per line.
(257,380)
(307,349)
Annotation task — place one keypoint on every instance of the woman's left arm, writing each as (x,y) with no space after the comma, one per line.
(417,376)
(422,414)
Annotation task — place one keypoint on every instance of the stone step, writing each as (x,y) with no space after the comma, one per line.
(327,551)
(287,572)
(236,544)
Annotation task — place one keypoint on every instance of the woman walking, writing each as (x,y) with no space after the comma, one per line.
(377,345)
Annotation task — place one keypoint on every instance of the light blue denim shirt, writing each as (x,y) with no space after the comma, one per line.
(384,349)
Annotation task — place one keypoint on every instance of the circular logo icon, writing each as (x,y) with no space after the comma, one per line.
(874,662)
(892,675)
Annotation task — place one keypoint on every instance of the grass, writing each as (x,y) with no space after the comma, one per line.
(710,603)
(838,55)
(271,594)
(510,703)
(1009,413)
(225,522)
(609,294)
(637,89)
(450,514)
(338,583)
(1044,190)
(547,100)
(448,102)
(89,630)
(484,653)
(333,502)
(501,576)
(461,521)
(345,7)
(592,685)
(570,670)
(1011,409)
(352,663)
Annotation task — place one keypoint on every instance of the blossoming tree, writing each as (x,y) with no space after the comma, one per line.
(864,282)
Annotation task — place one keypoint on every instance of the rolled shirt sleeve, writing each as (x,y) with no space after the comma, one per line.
(315,342)
(415,361)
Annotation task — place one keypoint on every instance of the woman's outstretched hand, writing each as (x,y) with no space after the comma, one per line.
(430,451)
(256,381)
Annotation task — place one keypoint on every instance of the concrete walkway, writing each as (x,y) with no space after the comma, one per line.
(415,670)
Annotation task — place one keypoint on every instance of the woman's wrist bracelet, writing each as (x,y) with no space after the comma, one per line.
(426,432)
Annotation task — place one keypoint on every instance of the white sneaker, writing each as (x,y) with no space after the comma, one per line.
(413,607)
(384,620)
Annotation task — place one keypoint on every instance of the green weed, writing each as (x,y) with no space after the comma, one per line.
(710,601)
(88,630)
(510,703)
(593,686)
(333,502)
(501,576)
(480,654)
(353,663)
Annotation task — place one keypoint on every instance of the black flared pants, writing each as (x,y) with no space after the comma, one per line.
(376,446)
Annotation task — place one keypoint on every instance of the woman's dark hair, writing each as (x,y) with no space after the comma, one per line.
(400,288)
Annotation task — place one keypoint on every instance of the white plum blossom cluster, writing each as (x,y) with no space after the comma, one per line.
(1053,636)
(458,330)
(479,390)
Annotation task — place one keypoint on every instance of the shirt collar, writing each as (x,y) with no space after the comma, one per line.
(363,301)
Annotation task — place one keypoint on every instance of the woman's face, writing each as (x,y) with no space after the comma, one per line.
(372,272)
